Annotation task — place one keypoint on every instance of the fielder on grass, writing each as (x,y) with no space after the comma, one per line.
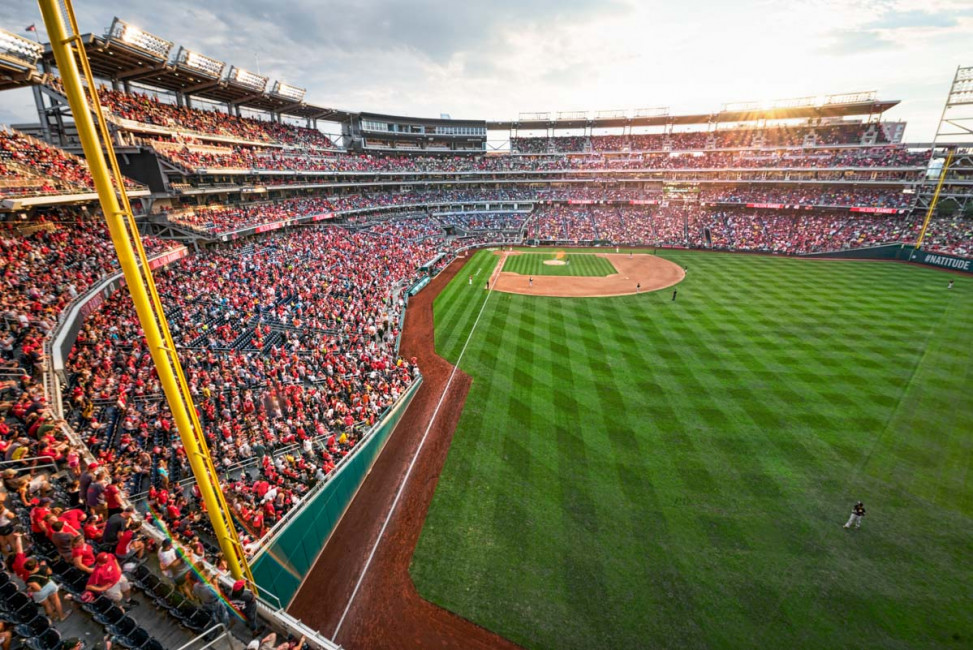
(857,512)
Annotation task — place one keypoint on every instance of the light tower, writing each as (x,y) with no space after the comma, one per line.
(949,180)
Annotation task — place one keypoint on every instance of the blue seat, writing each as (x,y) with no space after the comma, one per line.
(35,627)
(50,640)
(137,639)
(124,627)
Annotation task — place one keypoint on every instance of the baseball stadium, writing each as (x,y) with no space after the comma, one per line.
(281,375)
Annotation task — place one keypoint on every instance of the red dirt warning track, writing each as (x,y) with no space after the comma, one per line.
(387,611)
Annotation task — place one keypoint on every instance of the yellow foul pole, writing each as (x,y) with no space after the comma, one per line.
(68,53)
(935,198)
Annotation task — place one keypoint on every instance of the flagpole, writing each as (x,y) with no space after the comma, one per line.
(33,28)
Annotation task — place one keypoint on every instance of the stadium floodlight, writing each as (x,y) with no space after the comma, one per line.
(741,107)
(132,36)
(534,117)
(658,111)
(18,47)
(200,63)
(851,98)
(288,91)
(610,115)
(572,115)
(247,79)
(794,102)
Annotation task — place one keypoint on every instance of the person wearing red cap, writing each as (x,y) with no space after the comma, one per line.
(243,600)
(107,579)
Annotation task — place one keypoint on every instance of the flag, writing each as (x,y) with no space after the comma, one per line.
(30,28)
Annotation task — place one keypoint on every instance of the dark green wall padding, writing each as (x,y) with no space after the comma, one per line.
(281,567)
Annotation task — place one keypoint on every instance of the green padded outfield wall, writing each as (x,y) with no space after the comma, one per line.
(282,565)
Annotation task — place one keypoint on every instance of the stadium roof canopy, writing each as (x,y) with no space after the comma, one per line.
(113,59)
(18,61)
(865,106)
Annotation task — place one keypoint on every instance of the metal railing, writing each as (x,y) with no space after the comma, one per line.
(204,638)
(15,464)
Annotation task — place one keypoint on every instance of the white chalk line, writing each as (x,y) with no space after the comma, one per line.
(408,472)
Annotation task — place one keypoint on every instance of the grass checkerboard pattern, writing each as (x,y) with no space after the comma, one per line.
(579,264)
(636,472)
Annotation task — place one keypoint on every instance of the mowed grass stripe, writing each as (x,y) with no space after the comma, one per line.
(719,441)
(576,264)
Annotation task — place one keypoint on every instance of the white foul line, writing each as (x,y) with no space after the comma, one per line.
(408,472)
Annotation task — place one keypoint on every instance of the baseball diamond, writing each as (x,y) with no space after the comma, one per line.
(559,263)
(649,470)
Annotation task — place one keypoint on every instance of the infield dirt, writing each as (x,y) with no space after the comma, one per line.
(638,273)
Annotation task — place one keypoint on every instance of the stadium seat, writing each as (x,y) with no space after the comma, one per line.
(110,616)
(138,576)
(49,640)
(196,619)
(6,591)
(152,644)
(26,613)
(35,627)
(160,593)
(174,603)
(99,606)
(136,639)
(148,581)
(124,627)
(74,581)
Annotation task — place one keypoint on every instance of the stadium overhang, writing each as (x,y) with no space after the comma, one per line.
(876,107)
(17,74)
(18,61)
(116,61)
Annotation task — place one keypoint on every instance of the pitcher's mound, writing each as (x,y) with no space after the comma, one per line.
(638,273)
(555,262)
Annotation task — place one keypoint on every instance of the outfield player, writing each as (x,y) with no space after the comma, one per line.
(857,512)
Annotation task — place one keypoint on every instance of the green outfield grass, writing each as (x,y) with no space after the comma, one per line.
(579,264)
(634,472)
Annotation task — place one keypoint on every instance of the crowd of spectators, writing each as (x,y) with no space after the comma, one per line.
(217,219)
(29,167)
(68,540)
(796,232)
(850,133)
(811,196)
(148,109)
(48,262)
(778,231)
(288,346)
(952,235)
(483,221)
(195,156)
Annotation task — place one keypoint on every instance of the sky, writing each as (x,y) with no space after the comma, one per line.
(493,59)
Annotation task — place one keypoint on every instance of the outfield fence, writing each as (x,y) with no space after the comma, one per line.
(281,565)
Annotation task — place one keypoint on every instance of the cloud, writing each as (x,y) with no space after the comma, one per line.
(496,58)
(914,18)
(850,41)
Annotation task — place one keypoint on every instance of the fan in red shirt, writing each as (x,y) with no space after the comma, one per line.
(107,579)
(74,518)
(82,555)
(113,495)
